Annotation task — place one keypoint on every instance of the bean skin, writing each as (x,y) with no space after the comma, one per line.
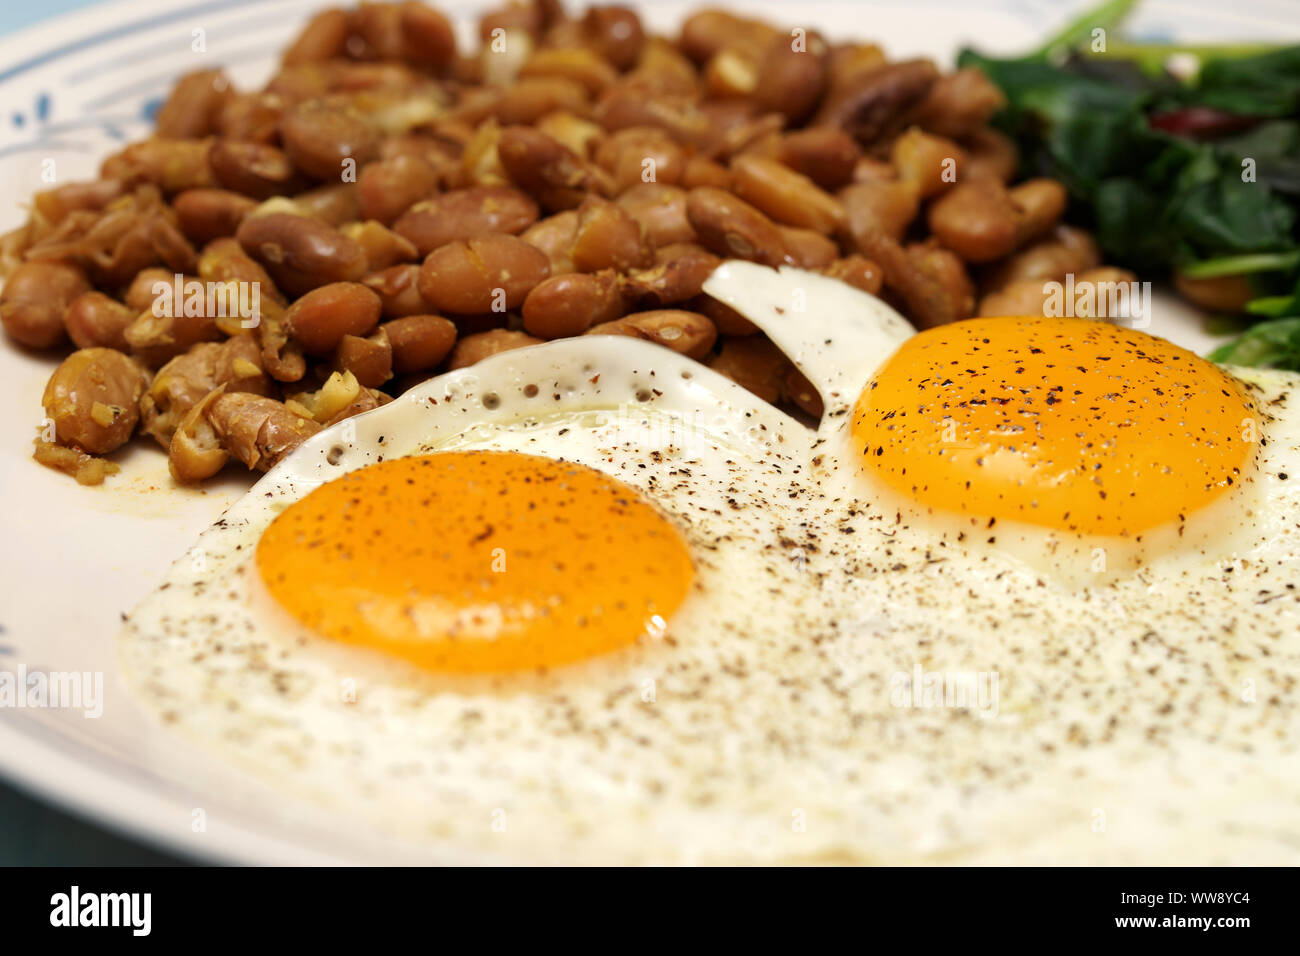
(320,135)
(93,398)
(607,238)
(257,170)
(570,304)
(419,342)
(207,214)
(480,275)
(35,297)
(472,349)
(300,253)
(96,320)
(733,228)
(465,214)
(687,333)
(398,288)
(319,320)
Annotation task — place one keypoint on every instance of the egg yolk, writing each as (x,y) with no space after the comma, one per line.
(470,562)
(1069,424)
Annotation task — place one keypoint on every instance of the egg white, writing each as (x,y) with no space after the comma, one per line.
(767,725)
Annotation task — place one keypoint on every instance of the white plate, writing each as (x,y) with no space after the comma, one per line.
(73,559)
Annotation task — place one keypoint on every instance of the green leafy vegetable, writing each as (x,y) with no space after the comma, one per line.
(1200,176)
(1275,342)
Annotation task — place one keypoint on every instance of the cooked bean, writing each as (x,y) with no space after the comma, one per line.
(398,288)
(724,318)
(677,278)
(607,238)
(207,214)
(663,70)
(95,320)
(792,80)
(259,431)
(754,363)
(1220,294)
(158,335)
(320,135)
(472,349)
(53,205)
(977,220)
(990,154)
(580,135)
(879,206)
(419,342)
(257,170)
(428,40)
(222,260)
(581,65)
(194,452)
(386,188)
(825,155)
(1032,296)
(703,171)
(483,274)
(282,356)
(465,214)
(140,294)
(323,38)
(946,269)
(383,247)
(627,104)
(926,300)
(808,248)
(554,235)
(333,203)
(93,399)
(251,117)
(615,33)
(527,100)
(799,390)
(369,359)
(982,221)
(959,103)
(732,227)
(660,209)
(785,195)
(688,333)
(877,100)
(183,382)
(322,317)
(300,253)
(35,297)
(931,162)
(639,155)
(858,271)
(1040,204)
(707,32)
(172,165)
(192,109)
(1064,249)
(731,73)
(570,304)
(544,168)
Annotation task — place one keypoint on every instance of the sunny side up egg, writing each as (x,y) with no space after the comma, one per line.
(593,602)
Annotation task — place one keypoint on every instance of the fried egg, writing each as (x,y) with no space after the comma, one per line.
(1026,594)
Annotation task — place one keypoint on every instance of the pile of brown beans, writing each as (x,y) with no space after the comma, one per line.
(405,208)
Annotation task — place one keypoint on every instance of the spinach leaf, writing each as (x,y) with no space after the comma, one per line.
(1275,342)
